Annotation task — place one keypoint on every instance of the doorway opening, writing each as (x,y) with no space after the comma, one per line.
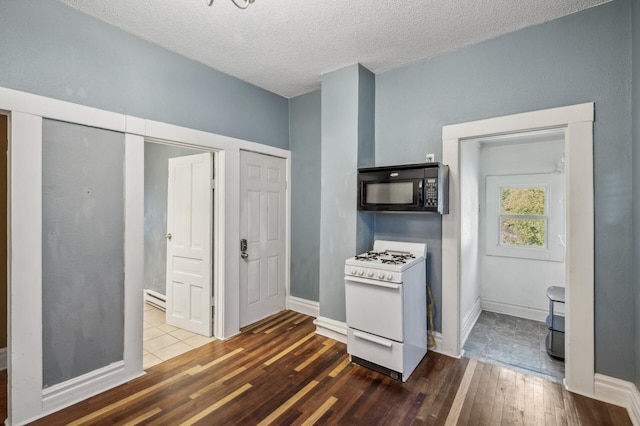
(577,120)
(513,250)
(178,263)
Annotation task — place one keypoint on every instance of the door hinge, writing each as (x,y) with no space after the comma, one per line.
(286,184)
(213,184)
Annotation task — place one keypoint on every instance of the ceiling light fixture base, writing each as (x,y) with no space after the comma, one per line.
(241,4)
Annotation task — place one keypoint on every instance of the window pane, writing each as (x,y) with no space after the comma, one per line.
(530,201)
(522,232)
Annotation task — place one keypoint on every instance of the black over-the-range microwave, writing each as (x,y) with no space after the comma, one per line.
(420,187)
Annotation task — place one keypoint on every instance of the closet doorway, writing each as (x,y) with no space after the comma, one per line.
(178,231)
(513,228)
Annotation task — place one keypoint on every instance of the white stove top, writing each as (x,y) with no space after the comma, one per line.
(387,256)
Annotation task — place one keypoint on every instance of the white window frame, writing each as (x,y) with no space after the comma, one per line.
(553,250)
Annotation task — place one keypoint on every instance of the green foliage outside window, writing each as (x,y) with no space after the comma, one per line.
(525,231)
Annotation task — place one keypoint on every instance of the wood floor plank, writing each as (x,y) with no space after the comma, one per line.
(499,398)
(141,418)
(339,368)
(458,402)
(204,413)
(315,356)
(320,411)
(293,376)
(290,402)
(289,349)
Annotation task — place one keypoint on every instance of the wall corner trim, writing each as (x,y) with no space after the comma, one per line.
(327,327)
(135,125)
(67,393)
(618,392)
(304,306)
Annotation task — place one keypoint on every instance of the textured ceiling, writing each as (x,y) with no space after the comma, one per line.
(285,46)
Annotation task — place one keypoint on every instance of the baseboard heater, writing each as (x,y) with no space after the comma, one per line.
(155,299)
(379,368)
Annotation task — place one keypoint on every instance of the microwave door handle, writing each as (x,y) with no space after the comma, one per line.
(420,193)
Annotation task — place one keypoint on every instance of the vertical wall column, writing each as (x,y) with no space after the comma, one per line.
(635,119)
(347,142)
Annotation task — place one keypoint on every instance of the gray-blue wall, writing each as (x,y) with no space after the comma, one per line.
(304,143)
(343,230)
(53,50)
(585,57)
(156,185)
(82,250)
(636,178)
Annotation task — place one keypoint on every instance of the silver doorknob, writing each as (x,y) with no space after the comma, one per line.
(244,255)
(167,236)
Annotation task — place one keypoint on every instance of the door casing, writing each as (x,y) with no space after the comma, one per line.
(27,400)
(579,258)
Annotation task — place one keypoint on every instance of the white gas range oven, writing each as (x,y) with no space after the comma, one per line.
(385,291)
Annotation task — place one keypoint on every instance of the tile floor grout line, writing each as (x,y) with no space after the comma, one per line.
(155,351)
(487,343)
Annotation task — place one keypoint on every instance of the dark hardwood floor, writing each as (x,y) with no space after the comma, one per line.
(280,372)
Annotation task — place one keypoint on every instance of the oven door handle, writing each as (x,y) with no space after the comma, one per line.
(371,282)
(372,339)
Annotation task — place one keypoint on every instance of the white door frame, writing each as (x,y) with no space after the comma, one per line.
(578,122)
(26,399)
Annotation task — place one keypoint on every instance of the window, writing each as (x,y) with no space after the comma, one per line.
(525,216)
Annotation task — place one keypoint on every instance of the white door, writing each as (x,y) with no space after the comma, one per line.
(262,226)
(189,235)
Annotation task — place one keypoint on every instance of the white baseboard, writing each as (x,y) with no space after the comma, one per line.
(72,391)
(534,314)
(469,321)
(618,392)
(3,359)
(438,347)
(304,306)
(156,299)
(332,329)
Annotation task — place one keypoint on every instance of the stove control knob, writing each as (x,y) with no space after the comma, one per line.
(361,272)
(389,277)
(370,274)
(353,271)
(381,275)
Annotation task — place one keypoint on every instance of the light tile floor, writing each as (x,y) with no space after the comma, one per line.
(513,342)
(162,341)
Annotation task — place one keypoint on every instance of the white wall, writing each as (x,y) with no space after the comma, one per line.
(469,228)
(513,285)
